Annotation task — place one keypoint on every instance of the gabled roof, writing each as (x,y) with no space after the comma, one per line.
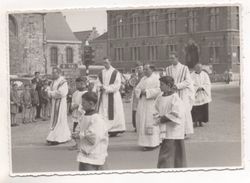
(83,35)
(57,29)
(104,36)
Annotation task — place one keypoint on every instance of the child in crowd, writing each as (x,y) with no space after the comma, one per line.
(14,104)
(170,117)
(75,104)
(26,104)
(93,136)
(45,100)
(34,101)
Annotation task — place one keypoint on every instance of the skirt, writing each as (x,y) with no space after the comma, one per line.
(200,113)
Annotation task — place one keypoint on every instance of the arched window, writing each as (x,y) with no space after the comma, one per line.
(12,26)
(69,55)
(54,56)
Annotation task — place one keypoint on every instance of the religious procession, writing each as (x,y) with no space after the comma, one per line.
(165,108)
(125,89)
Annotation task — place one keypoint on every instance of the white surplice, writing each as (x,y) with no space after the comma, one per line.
(172,107)
(201,80)
(145,111)
(118,124)
(184,84)
(59,131)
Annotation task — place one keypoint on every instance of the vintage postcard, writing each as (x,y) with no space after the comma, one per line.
(125,90)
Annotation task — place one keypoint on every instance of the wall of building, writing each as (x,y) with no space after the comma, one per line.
(100,50)
(26,44)
(224,39)
(62,59)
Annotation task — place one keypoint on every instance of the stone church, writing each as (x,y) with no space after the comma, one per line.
(40,41)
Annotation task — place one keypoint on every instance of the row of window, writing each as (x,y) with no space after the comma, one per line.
(153,53)
(135,52)
(170,20)
(54,55)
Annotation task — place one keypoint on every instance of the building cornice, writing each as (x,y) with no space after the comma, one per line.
(177,34)
(63,42)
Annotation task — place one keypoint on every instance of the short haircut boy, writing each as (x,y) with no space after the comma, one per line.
(90,97)
(168,80)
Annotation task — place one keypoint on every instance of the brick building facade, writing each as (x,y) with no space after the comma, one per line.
(209,35)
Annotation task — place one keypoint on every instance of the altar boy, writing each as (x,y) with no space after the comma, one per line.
(93,136)
(170,116)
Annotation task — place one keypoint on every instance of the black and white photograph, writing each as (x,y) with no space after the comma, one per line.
(114,90)
(123,89)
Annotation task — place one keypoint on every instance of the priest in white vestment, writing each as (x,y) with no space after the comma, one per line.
(202,88)
(110,104)
(184,87)
(147,91)
(59,128)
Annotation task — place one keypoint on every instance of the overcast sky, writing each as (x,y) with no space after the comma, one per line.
(80,20)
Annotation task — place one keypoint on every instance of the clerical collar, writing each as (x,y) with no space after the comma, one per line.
(89,112)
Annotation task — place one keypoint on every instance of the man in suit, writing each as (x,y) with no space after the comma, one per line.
(38,81)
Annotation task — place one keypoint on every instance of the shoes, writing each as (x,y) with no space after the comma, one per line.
(52,143)
(149,148)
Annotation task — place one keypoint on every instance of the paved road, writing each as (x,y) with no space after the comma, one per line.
(215,144)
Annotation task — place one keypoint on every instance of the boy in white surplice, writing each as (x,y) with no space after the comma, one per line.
(93,136)
(170,115)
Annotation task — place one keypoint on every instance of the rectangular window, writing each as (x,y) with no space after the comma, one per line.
(153,25)
(191,21)
(135,26)
(119,28)
(171,23)
(119,54)
(135,53)
(152,53)
(53,56)
(69,55)
(214,19)
(170,48)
